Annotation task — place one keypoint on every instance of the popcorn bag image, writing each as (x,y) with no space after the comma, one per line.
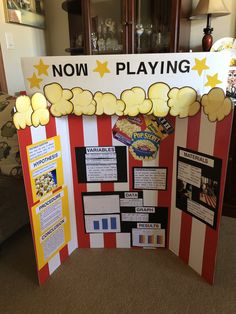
(142,134)
(117,151)
(126,126)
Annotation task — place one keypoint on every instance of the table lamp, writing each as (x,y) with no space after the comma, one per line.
(209,8)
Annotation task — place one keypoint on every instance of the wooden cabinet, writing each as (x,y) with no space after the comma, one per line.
(128,26)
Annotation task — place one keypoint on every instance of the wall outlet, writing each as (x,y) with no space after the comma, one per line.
(10,41)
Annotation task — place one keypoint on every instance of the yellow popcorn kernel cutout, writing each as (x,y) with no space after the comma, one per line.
(40,115)
(158,93)
(183,102)
(83,102)
(59,99)
(22,116)
(136,102)
(108,104)
(216,106)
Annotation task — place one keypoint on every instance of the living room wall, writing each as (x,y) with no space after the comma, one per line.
(224,26)
(57,31)
(29,42)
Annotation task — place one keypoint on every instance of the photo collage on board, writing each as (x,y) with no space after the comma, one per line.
(198,185)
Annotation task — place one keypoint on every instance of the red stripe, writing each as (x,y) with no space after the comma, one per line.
(77,140)
(186,220)
(43,274)
(132,164)
(221,149)
(51,128)
(104,129)
(166,160)
(64,253)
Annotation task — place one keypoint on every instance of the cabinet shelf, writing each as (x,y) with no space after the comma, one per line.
(107,52)
(76,50)
(135,25)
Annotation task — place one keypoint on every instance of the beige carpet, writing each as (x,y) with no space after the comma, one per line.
(117,281)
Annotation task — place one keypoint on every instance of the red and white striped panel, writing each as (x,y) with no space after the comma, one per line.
(221,149)
(190,239)
(33,135)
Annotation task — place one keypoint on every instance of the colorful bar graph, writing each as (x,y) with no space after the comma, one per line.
(113,223)
(104,224)
(96,225)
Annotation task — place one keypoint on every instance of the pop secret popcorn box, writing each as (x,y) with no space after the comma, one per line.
(142,134)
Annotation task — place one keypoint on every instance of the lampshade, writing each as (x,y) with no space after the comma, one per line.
(213,7)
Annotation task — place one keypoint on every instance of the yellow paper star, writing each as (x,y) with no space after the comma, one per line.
(101,68)
(42,68)
(212,81)
(34,81)
(200,66)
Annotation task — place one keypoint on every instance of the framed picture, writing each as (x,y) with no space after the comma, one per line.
(25,12)
(231,85)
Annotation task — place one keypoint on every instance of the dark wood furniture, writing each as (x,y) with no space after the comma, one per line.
(128,26)
(229,205)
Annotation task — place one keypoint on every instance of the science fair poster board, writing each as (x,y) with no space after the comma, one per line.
(125,151)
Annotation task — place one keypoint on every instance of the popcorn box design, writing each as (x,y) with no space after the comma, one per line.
(125,127)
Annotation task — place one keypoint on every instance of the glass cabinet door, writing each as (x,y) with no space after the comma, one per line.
(152,25)
(107,30)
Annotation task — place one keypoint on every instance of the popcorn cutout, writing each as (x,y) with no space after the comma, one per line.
(83,102)
(216,105)
(135,102)
(183,102)
(108,103)
(59,99)
(158,93)
(22,116)
(40,114)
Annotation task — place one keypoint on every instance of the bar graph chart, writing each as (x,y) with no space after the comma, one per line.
(102,223)
(148,237)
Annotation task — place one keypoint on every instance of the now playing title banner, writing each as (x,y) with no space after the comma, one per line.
(124,85)
(147,68)
(116,73)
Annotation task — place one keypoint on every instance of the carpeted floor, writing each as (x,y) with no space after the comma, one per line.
(117,281)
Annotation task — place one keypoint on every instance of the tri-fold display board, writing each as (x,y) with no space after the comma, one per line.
(125,151)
